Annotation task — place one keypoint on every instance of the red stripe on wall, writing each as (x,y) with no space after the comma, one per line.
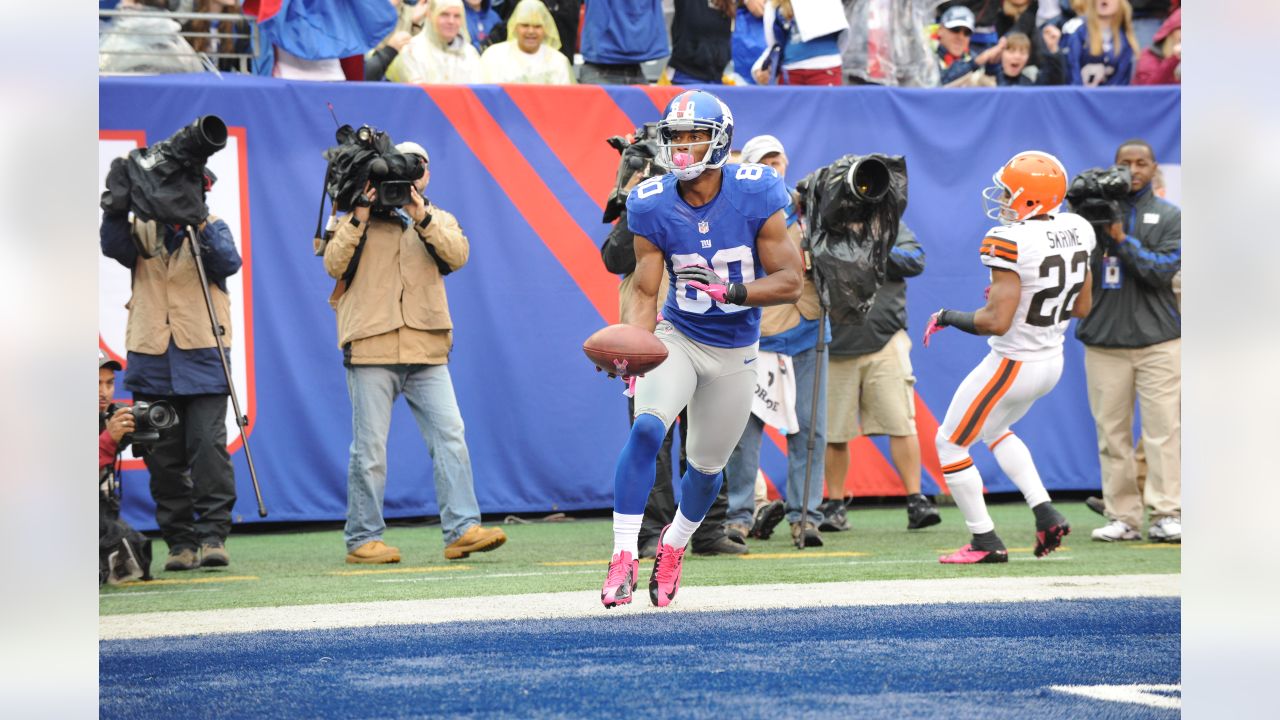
(927,430)
(531,196)
(574,121)
(662,94)
(869,473)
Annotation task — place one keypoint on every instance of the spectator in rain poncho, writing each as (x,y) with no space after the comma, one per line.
(441,53)
(145,44)
(531,54)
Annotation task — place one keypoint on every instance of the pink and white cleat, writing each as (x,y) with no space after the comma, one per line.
(620,583)
(664,582)
(968,555)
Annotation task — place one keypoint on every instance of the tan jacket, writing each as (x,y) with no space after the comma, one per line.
(777,319)
(395,310)
(167,300)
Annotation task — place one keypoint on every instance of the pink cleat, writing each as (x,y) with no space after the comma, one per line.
(620,583)
(967,555)
(664,583)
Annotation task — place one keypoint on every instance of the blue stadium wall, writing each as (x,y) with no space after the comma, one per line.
(526,170)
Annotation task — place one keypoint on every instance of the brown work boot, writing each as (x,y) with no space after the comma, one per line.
(737,532)
(475,539)
(374,552)
(214,554)
(183,558)
(812,536)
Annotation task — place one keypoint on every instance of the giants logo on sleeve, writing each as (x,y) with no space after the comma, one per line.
(229,200)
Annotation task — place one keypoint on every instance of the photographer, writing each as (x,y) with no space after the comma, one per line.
(124,554)
(173,356)
(1133,348)
(395,333)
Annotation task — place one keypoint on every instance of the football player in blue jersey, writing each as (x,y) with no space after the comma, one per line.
(719,232)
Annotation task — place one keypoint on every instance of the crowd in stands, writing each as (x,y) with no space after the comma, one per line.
(911,43)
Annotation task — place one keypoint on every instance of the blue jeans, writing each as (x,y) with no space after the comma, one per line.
(429,392)
(740,473)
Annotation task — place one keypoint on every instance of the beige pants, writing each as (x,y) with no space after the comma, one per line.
(1153,376)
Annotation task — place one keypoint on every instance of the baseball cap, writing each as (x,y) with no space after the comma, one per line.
(958,16)
(106,362)
(412,148)
(759,146)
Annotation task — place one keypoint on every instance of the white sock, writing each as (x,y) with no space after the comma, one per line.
(626,534)
(966,489)
(1015,460)
(682,528)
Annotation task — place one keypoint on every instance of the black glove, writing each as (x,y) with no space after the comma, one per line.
(701,277)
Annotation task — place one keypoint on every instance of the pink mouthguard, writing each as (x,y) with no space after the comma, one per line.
(682,160)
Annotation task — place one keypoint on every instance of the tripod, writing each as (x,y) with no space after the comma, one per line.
(820,351)
(242,420)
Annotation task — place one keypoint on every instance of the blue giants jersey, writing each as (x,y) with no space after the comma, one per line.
(720,235)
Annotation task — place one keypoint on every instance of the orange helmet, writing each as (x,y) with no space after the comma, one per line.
(1031,183)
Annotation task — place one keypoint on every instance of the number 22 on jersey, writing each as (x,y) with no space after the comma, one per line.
(1051,305)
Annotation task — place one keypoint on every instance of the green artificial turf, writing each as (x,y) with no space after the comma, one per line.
(299,568)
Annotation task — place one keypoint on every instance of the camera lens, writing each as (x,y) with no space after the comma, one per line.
(869,179)
(213,132)
(161,415)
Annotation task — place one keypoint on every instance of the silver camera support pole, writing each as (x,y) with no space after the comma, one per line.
(820,352)
(242,420)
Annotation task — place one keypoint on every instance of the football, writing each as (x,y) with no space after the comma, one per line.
(624,350)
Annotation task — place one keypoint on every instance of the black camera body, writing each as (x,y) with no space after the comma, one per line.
(366,155)
(166,181)
(149,418)
(639,155)
(1099,195)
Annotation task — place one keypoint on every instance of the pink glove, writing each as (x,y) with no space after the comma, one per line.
(701,277)
(932,327)
(631,386)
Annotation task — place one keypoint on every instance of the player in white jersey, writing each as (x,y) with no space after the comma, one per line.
(1040,279)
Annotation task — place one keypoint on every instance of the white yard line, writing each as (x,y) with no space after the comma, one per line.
(586,603)
(1156,696)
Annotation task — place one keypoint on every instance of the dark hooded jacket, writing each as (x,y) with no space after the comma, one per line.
(1143,311)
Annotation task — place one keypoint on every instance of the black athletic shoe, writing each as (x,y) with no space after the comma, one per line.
(767,518)
(1051,527)
(834,516)
(1096,504)
(921,513)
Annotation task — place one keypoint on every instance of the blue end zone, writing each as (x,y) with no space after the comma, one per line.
(978,660)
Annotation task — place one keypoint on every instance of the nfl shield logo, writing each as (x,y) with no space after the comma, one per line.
(704,227)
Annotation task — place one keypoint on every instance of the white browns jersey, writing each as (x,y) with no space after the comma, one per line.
(1051,257)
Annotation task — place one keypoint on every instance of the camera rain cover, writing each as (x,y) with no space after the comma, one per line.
(362,156)
(165,182)
(852,226)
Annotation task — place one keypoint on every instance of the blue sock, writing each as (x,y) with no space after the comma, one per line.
(636,465)
(697,492)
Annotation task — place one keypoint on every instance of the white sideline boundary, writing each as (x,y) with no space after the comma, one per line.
(586,603)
